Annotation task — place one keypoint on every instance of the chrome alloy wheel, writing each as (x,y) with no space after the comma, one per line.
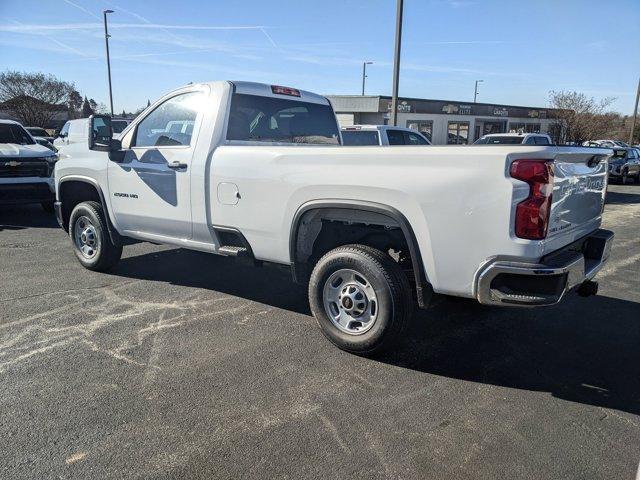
(350,301)
(86,238)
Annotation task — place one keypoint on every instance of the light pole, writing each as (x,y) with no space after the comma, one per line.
(475,94)
(396,64)
(106,41)
(364,74)
(635,114)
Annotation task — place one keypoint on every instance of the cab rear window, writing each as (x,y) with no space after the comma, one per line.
(360,137)
(267,119)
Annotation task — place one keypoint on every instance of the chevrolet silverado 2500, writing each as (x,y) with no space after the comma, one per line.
(253,170)
(26,168)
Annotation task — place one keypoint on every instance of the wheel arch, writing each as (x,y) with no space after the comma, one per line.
(76,189)
(375,214)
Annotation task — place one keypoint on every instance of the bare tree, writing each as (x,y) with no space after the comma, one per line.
(35,98)
(74,103)
(580,118)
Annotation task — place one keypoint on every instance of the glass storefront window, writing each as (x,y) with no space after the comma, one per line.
(425,127)
(524,127)
(458,133)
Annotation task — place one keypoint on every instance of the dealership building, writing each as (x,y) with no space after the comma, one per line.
(442,121)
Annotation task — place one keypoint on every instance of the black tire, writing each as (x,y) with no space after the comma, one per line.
(47,207)
(392,298)
(105,254)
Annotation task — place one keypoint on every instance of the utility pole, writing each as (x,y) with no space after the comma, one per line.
(635,115)
(364,74)
(475,94)
(106,41)
(396,65)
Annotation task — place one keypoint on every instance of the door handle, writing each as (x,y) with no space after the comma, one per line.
(177,165)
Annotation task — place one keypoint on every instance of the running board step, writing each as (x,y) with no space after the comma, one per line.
(233,251)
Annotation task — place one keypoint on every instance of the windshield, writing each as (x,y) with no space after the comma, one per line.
(38,132)
(268,119)
(506,140)
(118,125)
(360,137)
(12,133)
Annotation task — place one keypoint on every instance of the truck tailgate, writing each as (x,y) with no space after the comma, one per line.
(580,184)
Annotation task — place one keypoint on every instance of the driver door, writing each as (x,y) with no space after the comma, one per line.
(150,188)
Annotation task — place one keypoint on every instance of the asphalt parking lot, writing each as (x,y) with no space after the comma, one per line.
(182,364)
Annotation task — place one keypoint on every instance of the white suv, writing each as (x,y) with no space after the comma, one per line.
(514,139)
(381,135)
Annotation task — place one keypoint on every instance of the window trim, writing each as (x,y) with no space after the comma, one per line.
(158,104)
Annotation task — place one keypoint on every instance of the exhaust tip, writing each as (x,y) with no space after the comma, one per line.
(587,288)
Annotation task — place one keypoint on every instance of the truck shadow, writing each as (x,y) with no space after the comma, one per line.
(621,198)
(18,217)
(189,268)
(584,350)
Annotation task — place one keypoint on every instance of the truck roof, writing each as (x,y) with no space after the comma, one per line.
(375,127)
(267,90)
(515,134)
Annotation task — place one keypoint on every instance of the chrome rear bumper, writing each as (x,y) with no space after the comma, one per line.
(509,283)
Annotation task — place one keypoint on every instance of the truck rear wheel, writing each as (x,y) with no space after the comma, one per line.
(360,298)
(90,237)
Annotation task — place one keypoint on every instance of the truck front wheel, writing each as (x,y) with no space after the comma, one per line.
(90,237)
(360,298)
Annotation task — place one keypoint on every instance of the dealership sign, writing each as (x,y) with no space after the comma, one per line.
(403,107)
(452,109)
(415,105)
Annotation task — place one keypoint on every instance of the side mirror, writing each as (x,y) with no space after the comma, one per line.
(100,133)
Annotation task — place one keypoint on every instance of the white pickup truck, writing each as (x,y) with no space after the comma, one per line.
(253,170)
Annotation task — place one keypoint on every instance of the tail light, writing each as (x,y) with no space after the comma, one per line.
(532,214)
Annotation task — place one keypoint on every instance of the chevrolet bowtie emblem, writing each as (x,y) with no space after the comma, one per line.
(13,163)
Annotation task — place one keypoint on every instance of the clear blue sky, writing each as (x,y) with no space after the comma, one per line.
(521,49)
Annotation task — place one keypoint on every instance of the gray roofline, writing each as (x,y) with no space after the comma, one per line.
(388,97)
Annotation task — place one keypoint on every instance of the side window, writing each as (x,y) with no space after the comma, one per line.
(64,131)
(530,141)
(413,139)
(171,123)
(542,141)
(395,137)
